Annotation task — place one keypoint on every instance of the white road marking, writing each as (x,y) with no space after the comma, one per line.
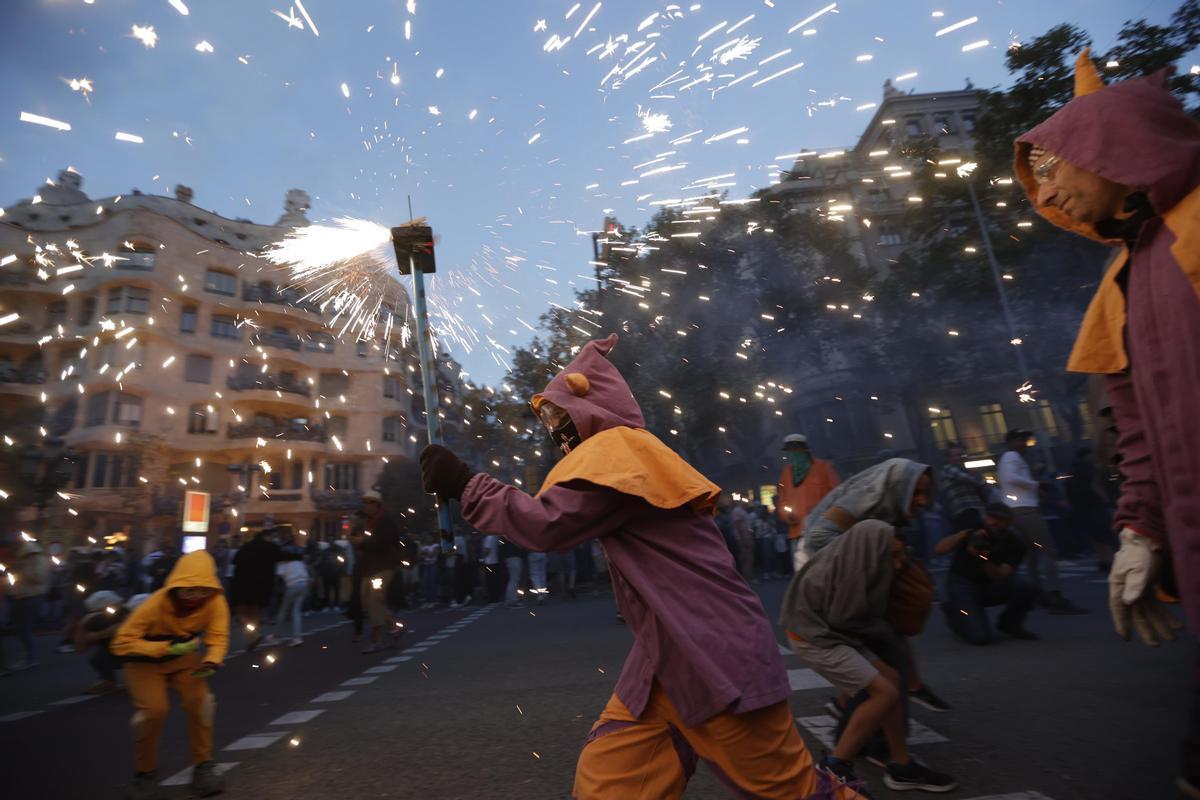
(823,727)
(332,697)
(19,715)
(297,717)
(79,698)
(397,660)
(801,679)
(1028,795)
(437,638)
(416,649)
(256,741)
(184,776)
(359,681)
(382,668)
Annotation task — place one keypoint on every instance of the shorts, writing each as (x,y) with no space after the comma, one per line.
(848,668)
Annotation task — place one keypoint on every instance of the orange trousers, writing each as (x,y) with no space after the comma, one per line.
(758,754)
(148,683)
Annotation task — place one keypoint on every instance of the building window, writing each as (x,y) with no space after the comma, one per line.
(392,428)
(97,410)
(318,342)
(202,418)
(994,426)
(219,282)
(127,410)
(198,369)
(391,387)
(968,122)
(341,476)
(913,127)
(942,422)
(81,471)
(187,319)
(130,299)
(56,313)
(1046,416)
(87,311)
(225,327)
(943,125)
(889,234)
(275,480)
(137,255)
(297,475)
(113,470)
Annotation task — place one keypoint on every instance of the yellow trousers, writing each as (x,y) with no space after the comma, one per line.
(758,754)
(148,684)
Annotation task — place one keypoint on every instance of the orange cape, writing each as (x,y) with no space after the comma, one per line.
(633,461)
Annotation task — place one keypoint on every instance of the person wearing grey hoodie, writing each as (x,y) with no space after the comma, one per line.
(834,614)
(892,491)
(31,582)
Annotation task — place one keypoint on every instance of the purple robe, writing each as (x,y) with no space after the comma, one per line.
(698,628)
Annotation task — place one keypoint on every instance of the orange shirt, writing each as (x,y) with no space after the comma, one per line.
(794,502)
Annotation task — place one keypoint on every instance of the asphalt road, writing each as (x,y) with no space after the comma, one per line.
(495,703)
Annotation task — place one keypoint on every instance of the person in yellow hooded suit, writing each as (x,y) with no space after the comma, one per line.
(704,680)
(161,646)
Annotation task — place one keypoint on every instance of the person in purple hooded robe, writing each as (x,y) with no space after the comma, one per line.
(704,679)
(1121,164)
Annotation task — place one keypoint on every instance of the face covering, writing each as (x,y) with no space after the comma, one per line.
(801,461)
(561,427)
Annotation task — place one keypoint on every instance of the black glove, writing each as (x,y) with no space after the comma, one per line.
(443,473)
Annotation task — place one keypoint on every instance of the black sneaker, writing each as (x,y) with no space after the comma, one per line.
(842,773)
(925,697)
(1018,632)
(915,776)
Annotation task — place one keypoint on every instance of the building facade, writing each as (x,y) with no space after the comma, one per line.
(160,353)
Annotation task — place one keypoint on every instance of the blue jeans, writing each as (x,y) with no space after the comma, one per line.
(966,605)
(429,583)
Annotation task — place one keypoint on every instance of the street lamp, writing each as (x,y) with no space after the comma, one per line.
(414,256)
(964,171)
(46,469)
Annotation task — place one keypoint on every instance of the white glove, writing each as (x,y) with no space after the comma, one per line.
(1131,595)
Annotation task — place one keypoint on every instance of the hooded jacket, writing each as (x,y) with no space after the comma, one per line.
(699,631)
(840,596)
(796,500)
(883,492)
(1142,328)
(154,624)
(32,572)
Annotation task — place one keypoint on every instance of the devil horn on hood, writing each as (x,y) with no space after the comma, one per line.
(1087,77)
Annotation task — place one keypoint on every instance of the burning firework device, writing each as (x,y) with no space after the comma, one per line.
(414,256)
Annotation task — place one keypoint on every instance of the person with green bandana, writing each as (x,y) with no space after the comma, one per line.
(804,481)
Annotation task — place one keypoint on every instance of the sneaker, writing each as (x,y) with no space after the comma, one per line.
(916,776)
(827,775)
(835,711)
(101,687)
(1018,632)
(270,640)
(295,642)
(24,664)
(205,780)
(144,787)
(925,697)
(374,647)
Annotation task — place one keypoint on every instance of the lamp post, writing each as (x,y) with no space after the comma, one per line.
(964,171)
(414,256)
(46,469)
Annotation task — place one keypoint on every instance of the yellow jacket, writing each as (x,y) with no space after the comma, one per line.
(155,624)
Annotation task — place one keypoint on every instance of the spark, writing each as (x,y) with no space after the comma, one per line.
(128,137)
(38,119)
(785,71)
(145,34)
(345,91)
(7,318)
(956,26)
(179,6)
(906,76)
(290,18)
(307,18)
(966,48)
(812,17)
(204,46)
(588,19)
(738,51)
(718,137)
(82,85)
(539,26)
(656,122)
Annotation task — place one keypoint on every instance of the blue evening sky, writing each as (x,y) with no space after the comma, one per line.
(510,192)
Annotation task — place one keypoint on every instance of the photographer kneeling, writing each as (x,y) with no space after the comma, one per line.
(983,574)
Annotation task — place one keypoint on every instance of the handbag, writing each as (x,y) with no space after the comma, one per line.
(910,599)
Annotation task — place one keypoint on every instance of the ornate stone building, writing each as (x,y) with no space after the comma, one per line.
(148,341)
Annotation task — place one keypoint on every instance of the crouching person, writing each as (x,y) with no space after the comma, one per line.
(835,614)
(161,646)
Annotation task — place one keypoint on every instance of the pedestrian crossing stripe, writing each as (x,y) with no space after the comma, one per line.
(332,697)
(297,717)
(255,741)
(184,777)
(824,726)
